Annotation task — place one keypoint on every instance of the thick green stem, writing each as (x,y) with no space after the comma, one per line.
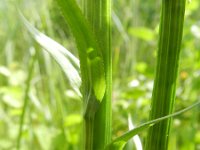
(98,13)
(92,35)
(171,28)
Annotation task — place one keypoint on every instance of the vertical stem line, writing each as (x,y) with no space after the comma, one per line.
(163,98)
(28,85)
(89,128)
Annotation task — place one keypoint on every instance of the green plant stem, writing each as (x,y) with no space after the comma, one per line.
(171,28)
(89,115)
(92,35)
(89,128)
(28,85)
(98,13)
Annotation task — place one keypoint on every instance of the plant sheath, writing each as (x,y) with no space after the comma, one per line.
(98,13)
(92,35)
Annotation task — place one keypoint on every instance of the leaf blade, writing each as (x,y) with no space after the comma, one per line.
(121,140)
(67,61)
(88,49)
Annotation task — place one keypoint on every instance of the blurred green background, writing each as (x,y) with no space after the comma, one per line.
(53,120)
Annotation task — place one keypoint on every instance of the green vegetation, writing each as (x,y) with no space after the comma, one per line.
(58,96)
(163,97)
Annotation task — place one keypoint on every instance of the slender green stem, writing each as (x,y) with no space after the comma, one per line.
(28,85)
(98,13)
(171,28)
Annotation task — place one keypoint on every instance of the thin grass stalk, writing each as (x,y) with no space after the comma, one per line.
(163,98)
(124,138)
(26,95)
(98,13)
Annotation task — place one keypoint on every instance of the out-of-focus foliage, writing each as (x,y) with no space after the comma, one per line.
(54,116)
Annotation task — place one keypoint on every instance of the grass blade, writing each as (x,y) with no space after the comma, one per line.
(136,138)
(121,140)
(63,57)
(26,98)
(91,62)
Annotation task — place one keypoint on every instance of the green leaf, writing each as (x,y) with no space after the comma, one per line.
(67,61)
(97,79)
(142,33)
(72,120)
(91,60)
(120,141)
